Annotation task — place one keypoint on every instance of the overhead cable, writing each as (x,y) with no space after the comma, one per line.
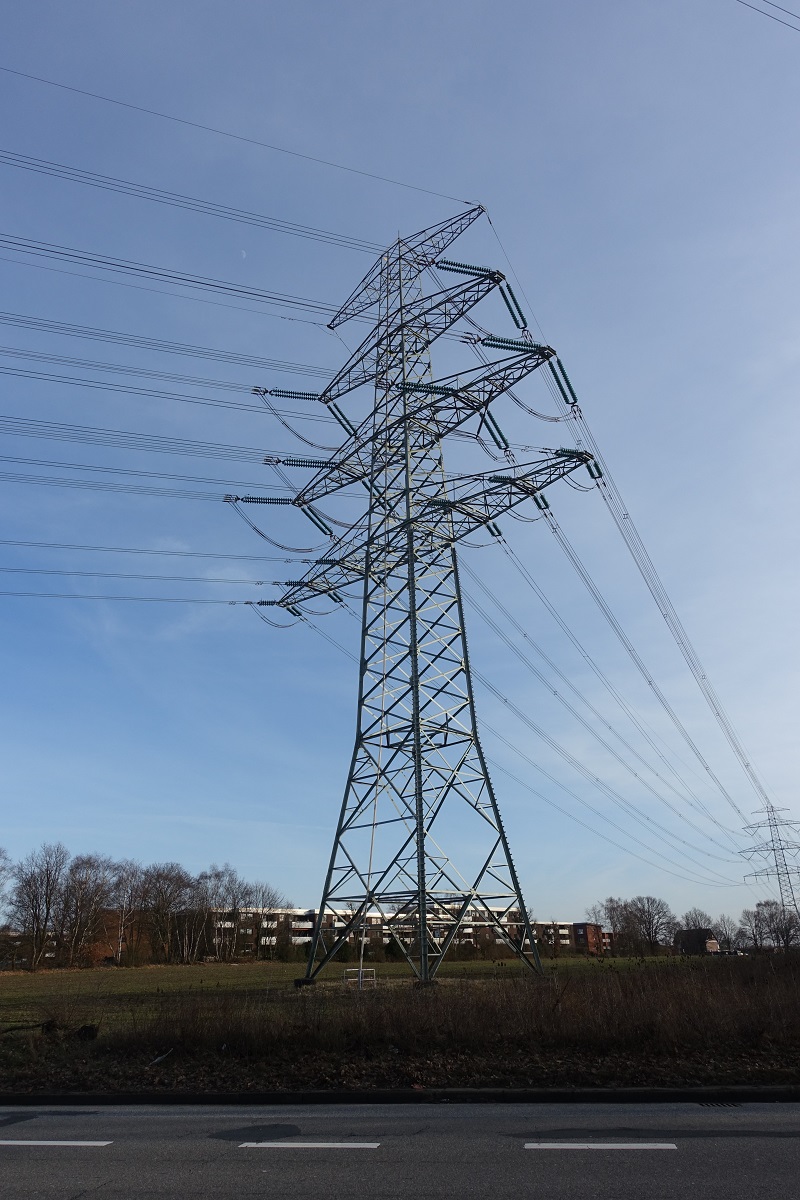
(684,793)
(104,262)
(590,729)
(319,415)
(644,564)
(588,774)
(113,368)
(139,599)
(65,329)
(644,729)
(228,134)
(141,287)
(124,439)
(189,203)
(147,550)
(133,575)
(596,832)
(46,462)
(772,16)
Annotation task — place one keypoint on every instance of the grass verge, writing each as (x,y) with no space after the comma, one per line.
(731,1021)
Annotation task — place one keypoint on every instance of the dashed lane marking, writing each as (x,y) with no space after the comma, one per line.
(32,1142)
(600,1146)
(309,1145)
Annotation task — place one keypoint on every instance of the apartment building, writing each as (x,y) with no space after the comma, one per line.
(258,933)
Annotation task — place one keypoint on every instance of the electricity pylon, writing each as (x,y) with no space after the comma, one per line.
(420,840)
(777,849)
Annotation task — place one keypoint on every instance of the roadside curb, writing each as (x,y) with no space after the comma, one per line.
(628,1095)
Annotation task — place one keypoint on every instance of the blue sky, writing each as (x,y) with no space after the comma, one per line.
(639,164)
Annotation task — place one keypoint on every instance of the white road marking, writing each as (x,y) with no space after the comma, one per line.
(31,1142)
(600,1146)
(309,1145)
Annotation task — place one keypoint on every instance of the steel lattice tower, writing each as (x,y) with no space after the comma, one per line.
(420,840)
(777,848)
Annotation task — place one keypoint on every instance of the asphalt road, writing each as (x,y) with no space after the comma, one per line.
(498,1151)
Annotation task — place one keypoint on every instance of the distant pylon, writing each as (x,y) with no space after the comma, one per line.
(778,851)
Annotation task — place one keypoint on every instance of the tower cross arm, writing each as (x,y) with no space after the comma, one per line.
(443,405)
(476,500)
(342,566)
(472,502)
(432,314)
(421,249)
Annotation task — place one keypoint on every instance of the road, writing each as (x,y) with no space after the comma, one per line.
(388,1152)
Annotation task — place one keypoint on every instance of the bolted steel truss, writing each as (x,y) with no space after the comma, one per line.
(420,842)
(779,845)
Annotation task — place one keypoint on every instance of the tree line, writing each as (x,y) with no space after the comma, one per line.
(60,910)
(645,923)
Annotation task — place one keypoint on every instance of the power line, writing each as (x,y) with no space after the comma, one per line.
(93,333)
(105,385)
(140,287)
(568,402)
(138,599)
(638,722)
(146,550)
(126,440)
(228,134)
(85,364)
(133,575)
(104,262)
(635,657)
(188,203)
(771,16)
(46,462)
(553,691)
(552,803)
(783,10)
(596,832)
(98,485)
(588,774)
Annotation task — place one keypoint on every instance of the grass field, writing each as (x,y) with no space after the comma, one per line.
(227,1027)
(110,993)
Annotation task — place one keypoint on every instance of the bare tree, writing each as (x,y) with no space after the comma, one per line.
(695,918)
(36,885)
(612,913)
(654,920)
(787,929)
(197,928)
(127,901)
(166,888)
(782,926)
(83,900)
(237,897)
(266,899)
(727,931)
(754,926)
(6,868)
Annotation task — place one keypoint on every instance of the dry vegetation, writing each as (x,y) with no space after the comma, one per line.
(661,1022)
